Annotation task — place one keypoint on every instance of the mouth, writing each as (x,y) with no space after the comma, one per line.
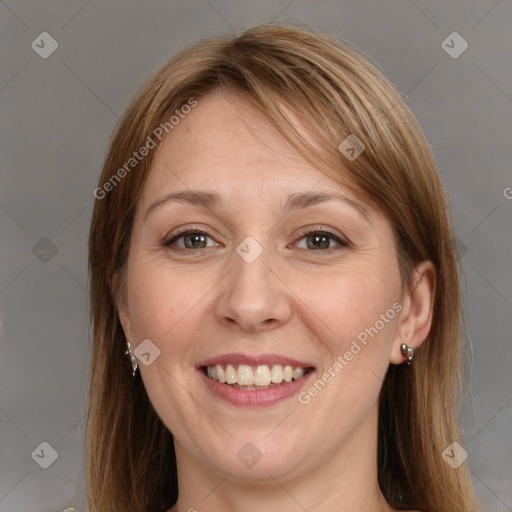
(254,381)
(254,378)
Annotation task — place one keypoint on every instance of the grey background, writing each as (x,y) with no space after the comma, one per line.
(58,113)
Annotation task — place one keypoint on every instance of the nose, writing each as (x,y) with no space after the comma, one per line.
(252,297)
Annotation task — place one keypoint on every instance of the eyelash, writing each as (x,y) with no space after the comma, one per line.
(188,230)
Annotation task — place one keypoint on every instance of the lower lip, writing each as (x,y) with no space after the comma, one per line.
(255,398)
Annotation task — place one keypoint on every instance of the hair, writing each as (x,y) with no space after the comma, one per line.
(130,459)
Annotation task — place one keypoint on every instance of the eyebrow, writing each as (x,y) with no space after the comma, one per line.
(305,199)
(195,197)
(298,200)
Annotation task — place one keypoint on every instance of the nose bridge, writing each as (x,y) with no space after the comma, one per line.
(250,268)
(253,297)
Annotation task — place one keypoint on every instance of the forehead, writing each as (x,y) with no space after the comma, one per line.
(226,143)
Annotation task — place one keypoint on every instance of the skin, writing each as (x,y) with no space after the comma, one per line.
(293,300)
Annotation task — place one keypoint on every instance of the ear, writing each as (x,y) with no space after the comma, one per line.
(416,315)
(119,294)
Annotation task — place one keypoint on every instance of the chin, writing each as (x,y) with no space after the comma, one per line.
(257,460)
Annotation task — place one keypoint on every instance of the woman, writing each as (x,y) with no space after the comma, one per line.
(274,291)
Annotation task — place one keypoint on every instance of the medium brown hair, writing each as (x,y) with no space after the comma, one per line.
(130,460)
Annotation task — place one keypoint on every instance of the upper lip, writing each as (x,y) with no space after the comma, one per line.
(254,360)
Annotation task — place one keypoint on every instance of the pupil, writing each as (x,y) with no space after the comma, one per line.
(191,241)
(319,242)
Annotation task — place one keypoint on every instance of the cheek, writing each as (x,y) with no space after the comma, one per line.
(354,319)
(165,305)
(150,305)
(343,307)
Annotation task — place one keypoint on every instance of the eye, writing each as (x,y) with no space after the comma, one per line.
(321,239)
(312,240)
(190,239)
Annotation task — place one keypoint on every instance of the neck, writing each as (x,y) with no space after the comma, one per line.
(344,482)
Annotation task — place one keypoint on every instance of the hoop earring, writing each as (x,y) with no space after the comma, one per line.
(407,352)
(133,359)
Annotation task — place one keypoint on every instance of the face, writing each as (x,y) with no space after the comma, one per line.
(250,266)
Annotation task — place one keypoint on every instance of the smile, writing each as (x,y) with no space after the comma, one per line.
(255,378)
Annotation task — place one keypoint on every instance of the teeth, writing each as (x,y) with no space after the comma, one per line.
(262,377)
(245,375)
(221,376)
(276,374)
(297,373)
(231,375)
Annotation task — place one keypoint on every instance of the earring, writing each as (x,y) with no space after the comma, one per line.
(407,352)
(132,357)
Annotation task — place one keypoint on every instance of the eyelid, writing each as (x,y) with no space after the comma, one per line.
(340,239)
(185,230)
